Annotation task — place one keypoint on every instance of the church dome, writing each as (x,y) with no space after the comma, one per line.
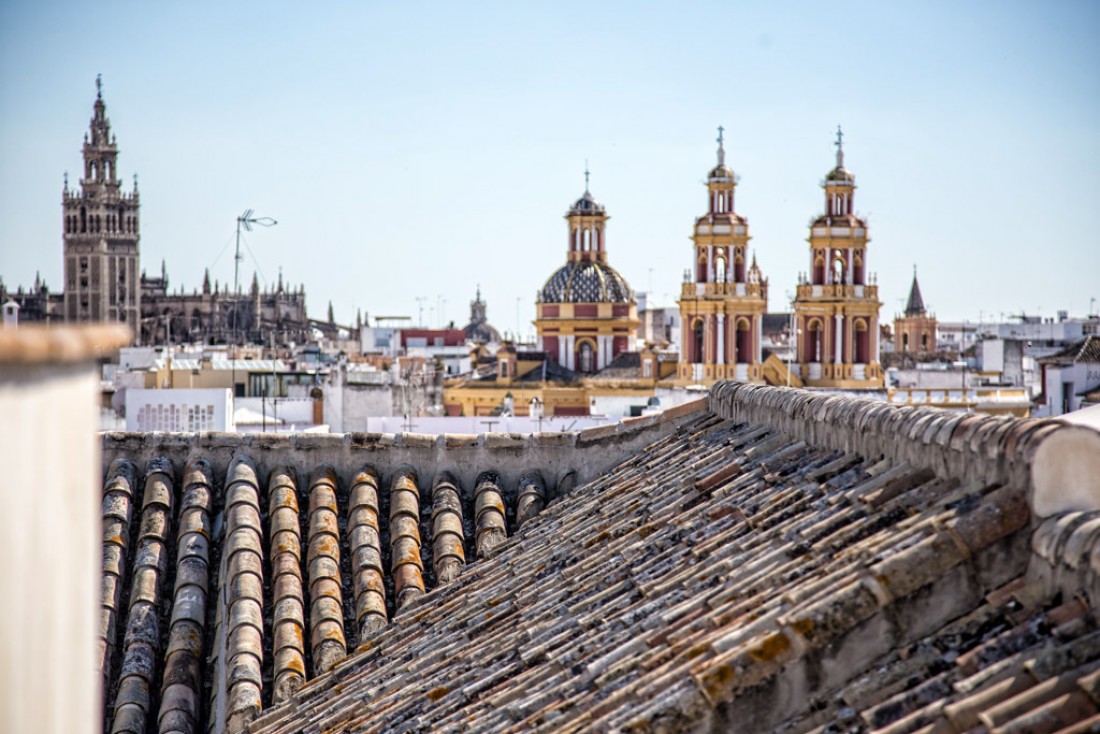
(586,205)
(721,171)
(587,281)
(840,173)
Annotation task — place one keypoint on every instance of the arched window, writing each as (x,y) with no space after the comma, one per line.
(697,342)
(857,271)
(812,342)
(838,268)
(863,342)
(83,219)
(744,341)
(905,342)
(701,268)
(586,357)
(720,269)
(738,268)
(819,270)
(924,342)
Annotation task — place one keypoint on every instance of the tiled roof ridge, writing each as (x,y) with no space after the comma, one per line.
(964,447)
(599,447)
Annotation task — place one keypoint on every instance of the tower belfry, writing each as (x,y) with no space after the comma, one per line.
(836,306)
(101,233)
(722,302)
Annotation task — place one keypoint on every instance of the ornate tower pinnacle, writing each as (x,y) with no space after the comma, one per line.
(721,147)
(839,147)
(101,233)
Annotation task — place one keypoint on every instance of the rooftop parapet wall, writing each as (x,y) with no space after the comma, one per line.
(1013,451)
(583,454)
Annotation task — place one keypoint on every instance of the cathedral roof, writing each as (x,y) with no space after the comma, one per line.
(588,281)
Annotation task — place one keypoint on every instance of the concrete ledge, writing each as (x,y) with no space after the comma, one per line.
(1066,466)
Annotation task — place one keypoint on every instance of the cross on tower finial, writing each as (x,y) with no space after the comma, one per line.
(839,147)
(586,175)
(99,86)
(721,146)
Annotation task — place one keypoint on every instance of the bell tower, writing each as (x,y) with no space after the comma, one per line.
(723,299)
(836,307)
(587,220)
(101,233)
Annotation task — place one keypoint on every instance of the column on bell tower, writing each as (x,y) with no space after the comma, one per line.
(837,306)
(101,233)
(722,301)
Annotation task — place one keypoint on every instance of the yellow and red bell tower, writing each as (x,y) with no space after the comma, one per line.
(723,299)
(836,306)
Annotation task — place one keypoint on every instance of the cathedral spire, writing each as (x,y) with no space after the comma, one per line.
(721,147)
(839,147)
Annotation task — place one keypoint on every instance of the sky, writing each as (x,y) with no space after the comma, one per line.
(414,151)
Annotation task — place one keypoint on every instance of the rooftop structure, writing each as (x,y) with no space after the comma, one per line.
(789,558)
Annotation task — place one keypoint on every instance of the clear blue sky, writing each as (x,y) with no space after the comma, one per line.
(418,149)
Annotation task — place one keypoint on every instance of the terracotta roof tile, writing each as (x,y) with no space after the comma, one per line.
(693,583)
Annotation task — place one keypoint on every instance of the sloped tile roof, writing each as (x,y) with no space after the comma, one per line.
(1086,350)
(674,591)
(807,563)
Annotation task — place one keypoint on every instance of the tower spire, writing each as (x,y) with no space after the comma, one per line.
(586,175)
(839,147)
(99,86)
(721,147)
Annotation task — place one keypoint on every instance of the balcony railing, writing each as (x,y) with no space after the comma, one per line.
(837,291)
(710,290)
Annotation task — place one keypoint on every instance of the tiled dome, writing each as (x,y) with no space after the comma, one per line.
(586,282)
